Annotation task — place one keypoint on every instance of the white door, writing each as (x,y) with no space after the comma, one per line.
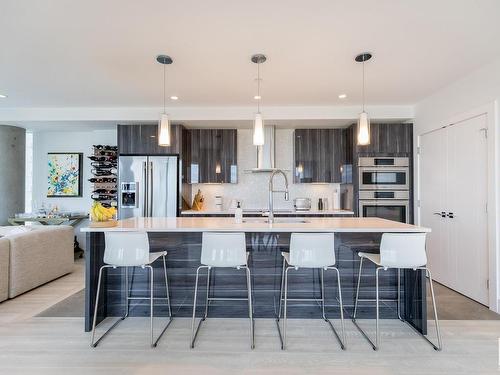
(453,179)
(432,184)
(466,199)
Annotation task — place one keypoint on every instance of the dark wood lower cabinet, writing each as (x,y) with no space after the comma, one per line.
(265,263)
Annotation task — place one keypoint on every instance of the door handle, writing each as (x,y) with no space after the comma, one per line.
(442,213)
(150,213)
(451,215)
(145,193)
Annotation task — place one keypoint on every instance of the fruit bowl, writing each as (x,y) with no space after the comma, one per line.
(101,216)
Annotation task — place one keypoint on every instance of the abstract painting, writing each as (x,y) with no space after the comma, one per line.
(65,174)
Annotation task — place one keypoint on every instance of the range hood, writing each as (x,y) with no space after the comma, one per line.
(266,153)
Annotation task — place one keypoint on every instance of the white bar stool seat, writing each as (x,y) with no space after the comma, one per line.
(222,250)
(375,258)
(131,249)
(400,251)
(314,251)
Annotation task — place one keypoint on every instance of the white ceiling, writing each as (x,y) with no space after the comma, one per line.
(94,53)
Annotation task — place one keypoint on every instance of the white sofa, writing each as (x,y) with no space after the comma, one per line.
(36,255)
(4,268)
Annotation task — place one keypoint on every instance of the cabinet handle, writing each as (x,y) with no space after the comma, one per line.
(442,213)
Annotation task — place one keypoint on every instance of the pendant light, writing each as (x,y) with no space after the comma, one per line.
(164,123)
(363,120)
(258,124)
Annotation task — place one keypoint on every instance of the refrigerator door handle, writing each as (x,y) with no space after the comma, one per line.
(145,195)
(150,204)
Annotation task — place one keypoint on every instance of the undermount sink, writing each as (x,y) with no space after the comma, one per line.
(281,220)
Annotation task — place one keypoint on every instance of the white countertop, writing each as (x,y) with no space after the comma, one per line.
(257,211)
(227,224)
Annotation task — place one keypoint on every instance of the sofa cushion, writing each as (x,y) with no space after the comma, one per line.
(16,229)
(39,256)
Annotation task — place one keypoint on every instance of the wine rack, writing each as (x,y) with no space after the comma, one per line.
(104,171)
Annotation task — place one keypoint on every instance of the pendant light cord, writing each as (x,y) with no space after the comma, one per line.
(164,84)
(258,87)
(363,84)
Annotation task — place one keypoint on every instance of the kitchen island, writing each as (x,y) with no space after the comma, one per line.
(181,237)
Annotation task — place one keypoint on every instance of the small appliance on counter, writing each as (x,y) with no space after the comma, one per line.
(302,204)
(218,203)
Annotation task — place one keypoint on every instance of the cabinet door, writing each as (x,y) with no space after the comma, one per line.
(388,139)
(319,155)
(213,156)
(143,140)
(228,156)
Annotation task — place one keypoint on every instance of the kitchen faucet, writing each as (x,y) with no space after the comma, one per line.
(272,191)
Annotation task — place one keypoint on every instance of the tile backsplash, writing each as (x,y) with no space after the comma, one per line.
(252,189)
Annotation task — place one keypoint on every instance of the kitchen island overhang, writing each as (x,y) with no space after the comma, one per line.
(181,237)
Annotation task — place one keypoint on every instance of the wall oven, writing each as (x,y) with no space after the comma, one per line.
(390,205)
(383,173)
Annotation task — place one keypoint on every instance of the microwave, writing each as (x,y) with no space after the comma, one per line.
(384,173)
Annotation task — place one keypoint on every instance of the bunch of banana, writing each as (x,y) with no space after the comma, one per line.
(100,213)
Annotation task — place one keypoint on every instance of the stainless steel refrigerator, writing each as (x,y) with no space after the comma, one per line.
(148,186)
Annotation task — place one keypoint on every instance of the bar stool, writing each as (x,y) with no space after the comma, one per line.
(401,251)
(220,250)
(316,251)
(130,249)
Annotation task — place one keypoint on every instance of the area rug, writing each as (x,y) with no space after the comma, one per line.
(71,307)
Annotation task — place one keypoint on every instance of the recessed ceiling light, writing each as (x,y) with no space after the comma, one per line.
(3,96)
(257,97)
(173,97)
(342,96)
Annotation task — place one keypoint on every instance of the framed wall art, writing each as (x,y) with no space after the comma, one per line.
(64,174)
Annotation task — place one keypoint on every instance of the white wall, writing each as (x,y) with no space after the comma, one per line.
(65,141)
(478,92)
(252,188)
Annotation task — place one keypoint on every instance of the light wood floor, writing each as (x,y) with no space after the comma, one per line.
(30,345)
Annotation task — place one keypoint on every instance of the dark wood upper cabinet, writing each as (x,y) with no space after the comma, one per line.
(143,140)
(388,140)
(321,155)
(213,156)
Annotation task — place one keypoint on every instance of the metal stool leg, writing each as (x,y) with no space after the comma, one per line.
(280,302)
(151,304)
(353,318)
(127,293)
(377,339)
(357,290)
(208,291)
(399,295)
(94,321)
(340,340)
(439,346)
(155,343)
(283,346)
(438,332)
(166,287)
(250,308)
(281,288)
(193,332)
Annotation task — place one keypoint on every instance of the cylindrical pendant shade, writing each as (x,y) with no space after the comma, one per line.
(363,129)
(164,131)
(258,130)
